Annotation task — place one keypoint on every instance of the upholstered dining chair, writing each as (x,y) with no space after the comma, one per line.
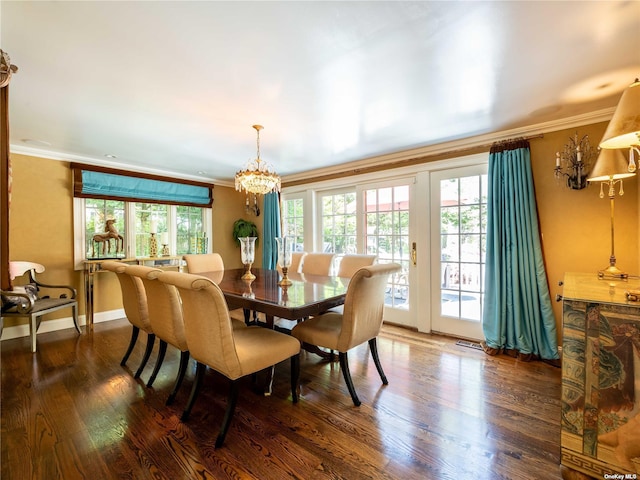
(165,316)
(134,301)
(318,264)
(203,262)
(213,342)
(28,300)
(360,322)
(297,259)
(212,262)
(351,263)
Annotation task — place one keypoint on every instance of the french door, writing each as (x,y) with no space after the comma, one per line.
(458,247)
(388,234)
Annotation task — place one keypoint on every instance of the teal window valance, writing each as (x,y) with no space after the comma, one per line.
(98,182)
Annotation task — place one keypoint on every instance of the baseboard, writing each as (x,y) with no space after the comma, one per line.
(18,331)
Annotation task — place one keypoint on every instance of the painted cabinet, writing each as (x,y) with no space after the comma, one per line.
(600,435)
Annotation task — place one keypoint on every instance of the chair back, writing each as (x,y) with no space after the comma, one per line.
(165,310)
(203,262)
(297,259)
(208,327)
(134,297)
(350,264)
(318,263)
(364,305)
(19,268)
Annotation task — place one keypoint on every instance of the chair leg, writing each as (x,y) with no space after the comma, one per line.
(344,366)
(195,390)
(151,339)
(132,342)
(74,310)
(33,328)
(228,414)
(295,377)
(184,361)
(161,353)
(373,345)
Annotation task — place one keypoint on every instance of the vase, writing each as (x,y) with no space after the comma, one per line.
(247,255)
(285,249)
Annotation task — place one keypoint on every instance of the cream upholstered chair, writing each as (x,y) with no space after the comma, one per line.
(212,262)
(134,301)
(28,301)
(213,342)
(360,322)
(318,264)
(297,259)
(350,264)
(165,316)
(204,262)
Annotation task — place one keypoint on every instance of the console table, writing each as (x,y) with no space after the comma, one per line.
(92,267)
(600,434)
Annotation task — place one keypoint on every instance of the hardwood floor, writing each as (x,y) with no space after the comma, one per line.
(70,411)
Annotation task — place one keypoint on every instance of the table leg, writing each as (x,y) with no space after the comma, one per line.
(88,297)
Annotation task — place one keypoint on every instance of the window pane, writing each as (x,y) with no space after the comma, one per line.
(190,234)
(97,212)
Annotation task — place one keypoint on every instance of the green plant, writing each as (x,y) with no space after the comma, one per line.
(244,228)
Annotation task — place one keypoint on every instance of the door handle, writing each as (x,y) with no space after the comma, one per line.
(414,253)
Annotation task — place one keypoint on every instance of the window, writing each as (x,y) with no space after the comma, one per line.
(338,223)
(293,221)
(134,205)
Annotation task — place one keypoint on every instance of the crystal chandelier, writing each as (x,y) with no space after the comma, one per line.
(257,177)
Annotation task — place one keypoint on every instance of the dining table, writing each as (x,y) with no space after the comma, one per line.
(308,295)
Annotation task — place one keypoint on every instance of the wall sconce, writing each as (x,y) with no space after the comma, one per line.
(623,130)
(574,162)
(252,208)
(610,169)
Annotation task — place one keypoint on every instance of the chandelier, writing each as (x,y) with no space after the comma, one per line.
(257,177)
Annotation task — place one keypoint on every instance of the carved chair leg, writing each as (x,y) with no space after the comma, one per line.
(344,366)
(132,342)
(195,390)
(74,310)
(184,361)
(33,328)
(161,353)
(373,345)
(228,414)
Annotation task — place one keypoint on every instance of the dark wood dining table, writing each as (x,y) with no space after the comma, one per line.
(307,295)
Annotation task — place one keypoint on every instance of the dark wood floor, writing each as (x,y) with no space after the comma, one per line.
(70,411)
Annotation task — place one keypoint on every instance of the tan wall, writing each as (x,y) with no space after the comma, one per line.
(41,229)
(575,224)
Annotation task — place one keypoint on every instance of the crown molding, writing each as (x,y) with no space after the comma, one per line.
(469,143)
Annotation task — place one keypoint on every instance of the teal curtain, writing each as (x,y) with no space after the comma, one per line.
(517,313)
(271,230)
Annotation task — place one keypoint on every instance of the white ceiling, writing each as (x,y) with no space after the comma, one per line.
(175,86)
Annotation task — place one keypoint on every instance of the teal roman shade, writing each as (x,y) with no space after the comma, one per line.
(97,182)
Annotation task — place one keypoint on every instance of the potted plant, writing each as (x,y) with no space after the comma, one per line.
(244,228)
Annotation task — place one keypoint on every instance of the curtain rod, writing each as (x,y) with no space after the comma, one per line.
(405,162)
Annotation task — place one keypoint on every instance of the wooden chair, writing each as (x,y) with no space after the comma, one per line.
(360,322)
(205,262)
(28,301)
(134,301)
(213,342)
(318,264)
(350,264)
(165,316)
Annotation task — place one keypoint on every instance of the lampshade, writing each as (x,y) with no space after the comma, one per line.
(624,128)
(610,165)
